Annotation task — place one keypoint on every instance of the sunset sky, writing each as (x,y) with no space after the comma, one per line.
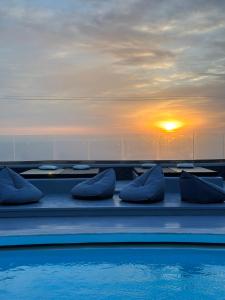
(111,67)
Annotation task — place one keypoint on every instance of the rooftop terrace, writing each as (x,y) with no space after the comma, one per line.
(58,215)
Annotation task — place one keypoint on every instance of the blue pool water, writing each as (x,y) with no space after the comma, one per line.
(113,273)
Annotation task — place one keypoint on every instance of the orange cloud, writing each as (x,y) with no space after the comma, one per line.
(145,117)
(46,130)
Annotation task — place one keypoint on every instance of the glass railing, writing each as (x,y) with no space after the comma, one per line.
(132,147)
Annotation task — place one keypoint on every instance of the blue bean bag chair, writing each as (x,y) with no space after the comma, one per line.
(197,190)
(101,186)
(148,187)
(14,189)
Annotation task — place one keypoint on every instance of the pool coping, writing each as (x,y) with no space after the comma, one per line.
(105,238)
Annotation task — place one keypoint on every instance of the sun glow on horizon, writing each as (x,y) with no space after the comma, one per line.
(170,125)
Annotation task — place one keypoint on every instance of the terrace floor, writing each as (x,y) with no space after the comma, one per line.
(111,224)
(128,229)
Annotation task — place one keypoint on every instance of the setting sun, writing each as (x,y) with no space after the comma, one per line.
(170,125)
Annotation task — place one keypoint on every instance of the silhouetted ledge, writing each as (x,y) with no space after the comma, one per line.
(63,205)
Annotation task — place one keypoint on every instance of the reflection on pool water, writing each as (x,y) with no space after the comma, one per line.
(113,273)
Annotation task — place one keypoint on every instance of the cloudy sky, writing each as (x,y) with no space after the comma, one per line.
(111,67)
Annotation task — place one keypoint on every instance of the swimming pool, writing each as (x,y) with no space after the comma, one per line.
(113,272)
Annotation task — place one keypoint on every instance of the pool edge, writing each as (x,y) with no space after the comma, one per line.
(100,238)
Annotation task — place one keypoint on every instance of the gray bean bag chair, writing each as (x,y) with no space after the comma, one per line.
(101,186)
(14,189)
(148,188)
(197,190)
